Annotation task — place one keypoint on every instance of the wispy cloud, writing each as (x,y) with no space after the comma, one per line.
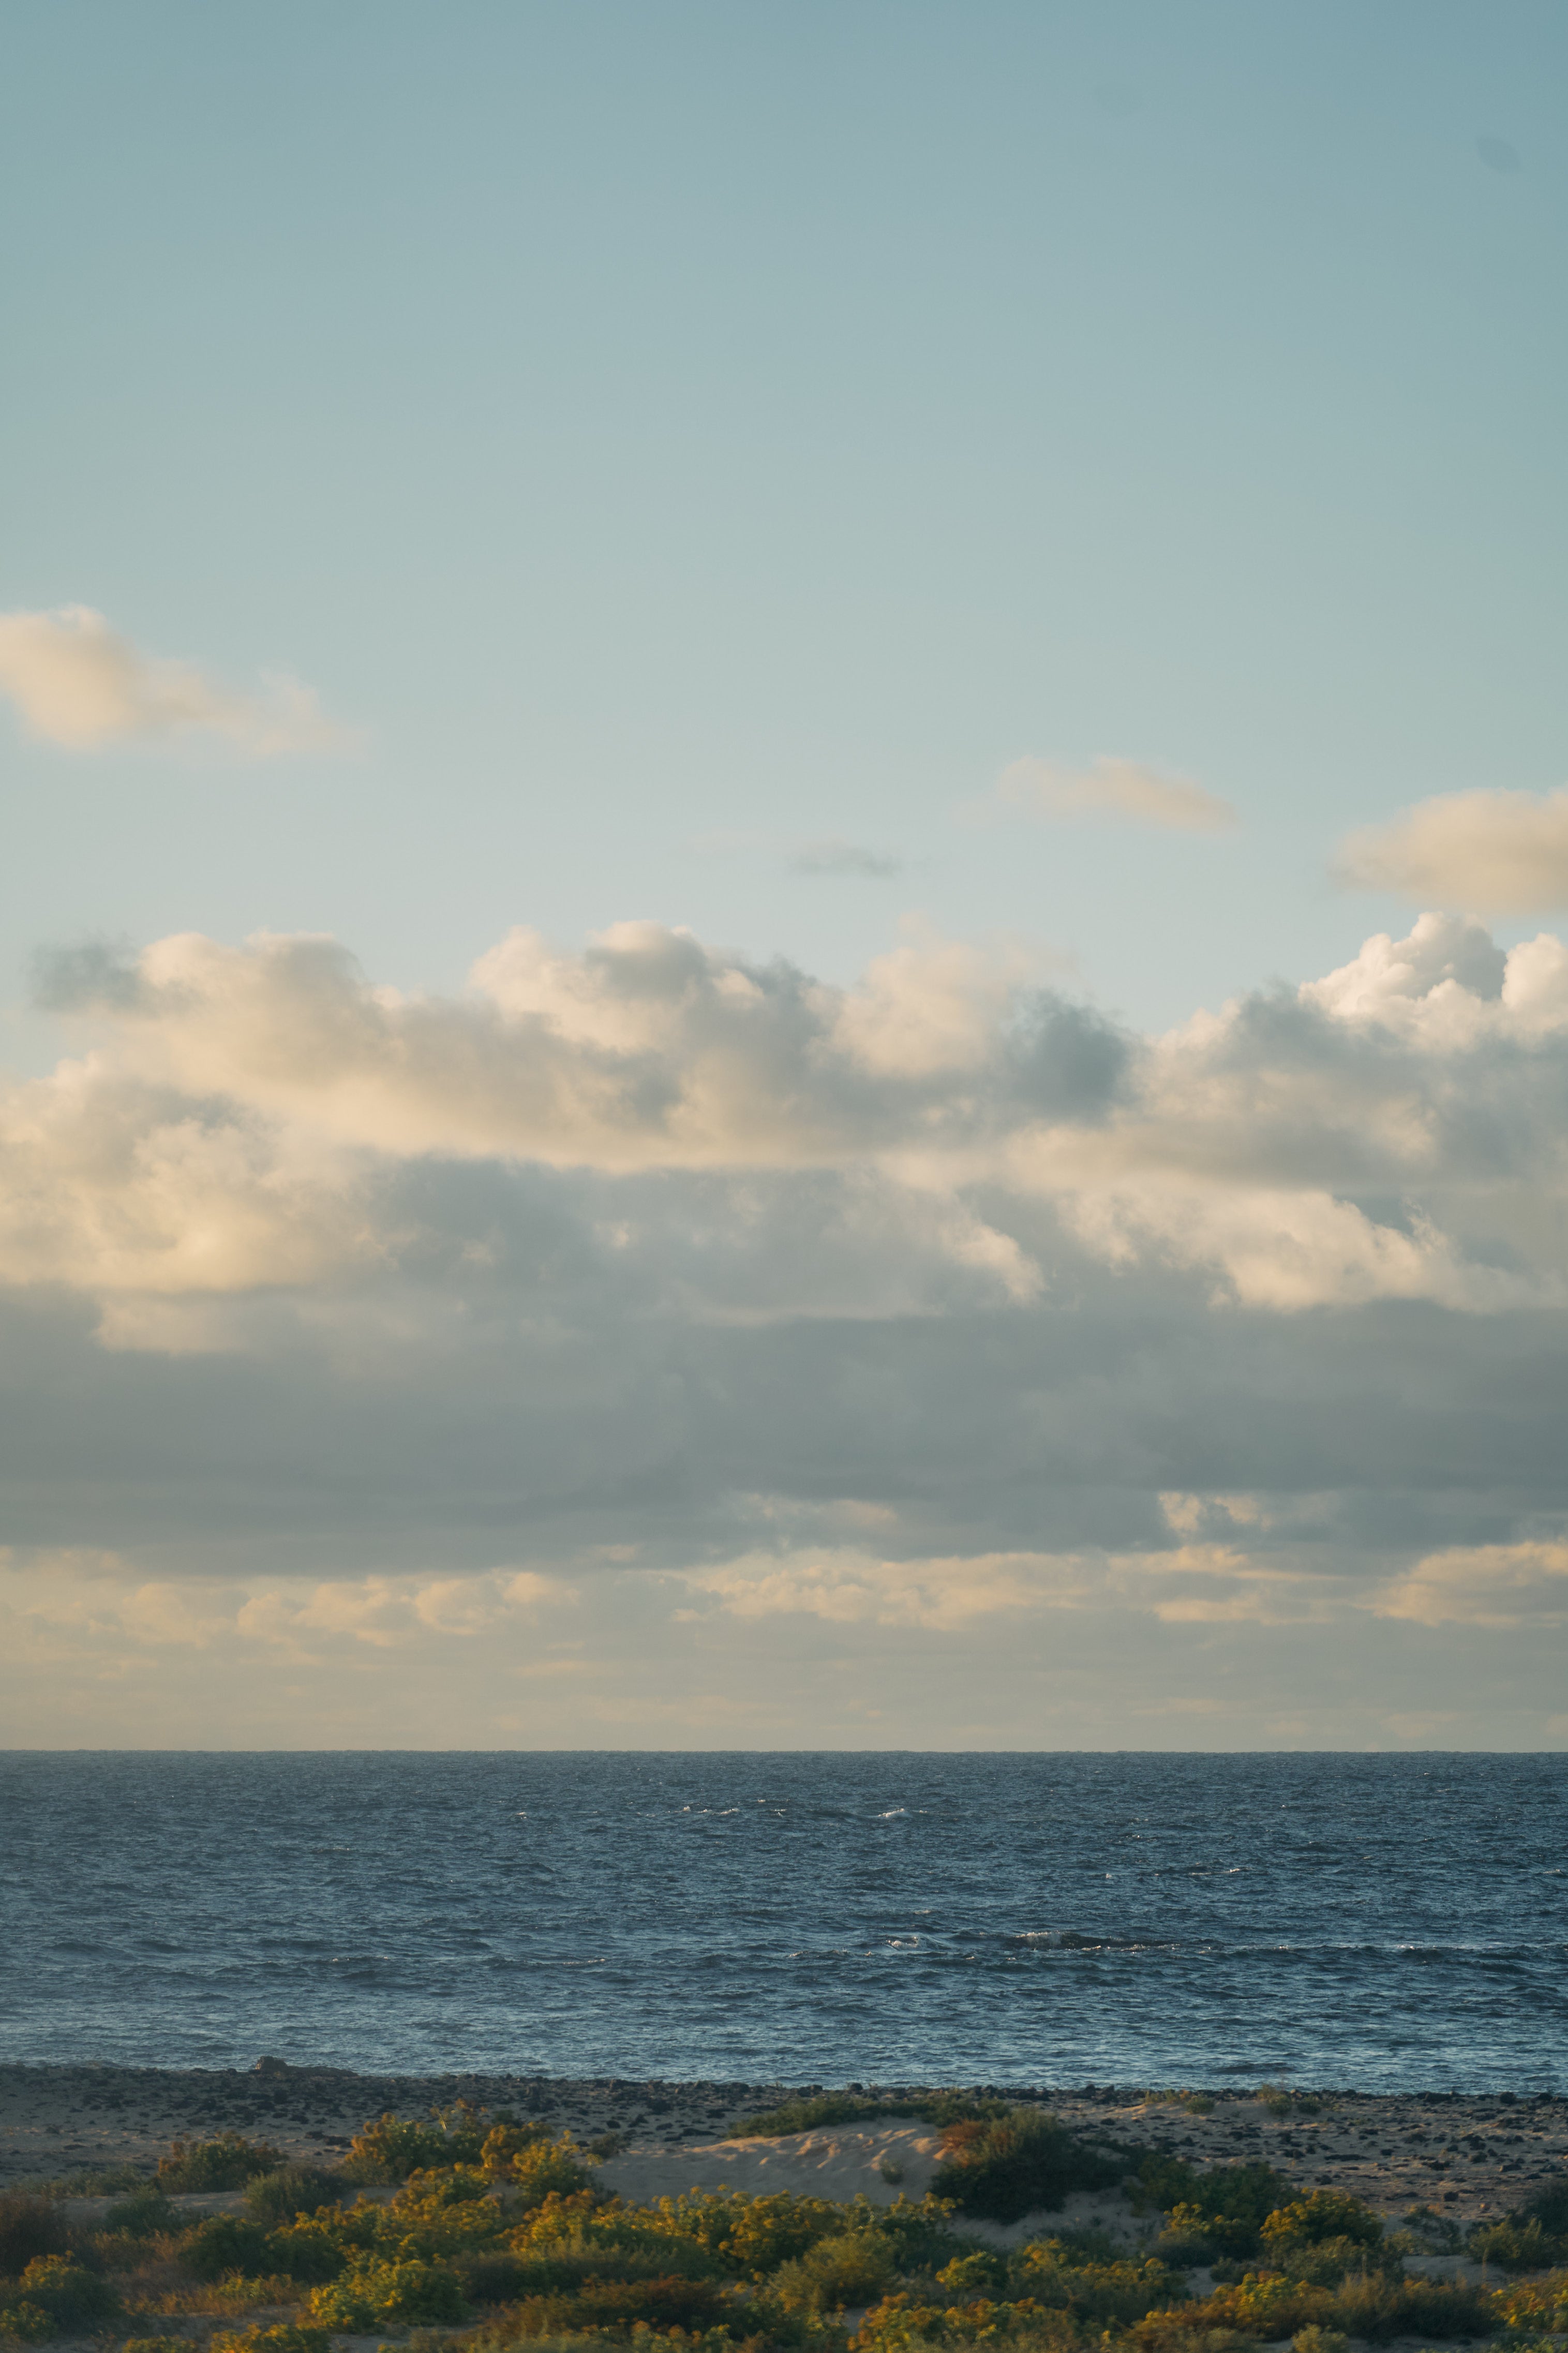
(1109,787)
(833,856)
(1500,853)
(79,683)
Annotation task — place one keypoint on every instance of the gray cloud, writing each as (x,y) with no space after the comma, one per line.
(831,856)
(767,1327)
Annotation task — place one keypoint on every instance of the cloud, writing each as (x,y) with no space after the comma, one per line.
(1500,853)
(79,683)
(1111,787)
(931,1316)
(1500,1585)
(832,856)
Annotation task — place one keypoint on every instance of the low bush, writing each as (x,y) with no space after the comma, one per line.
(370,2293)
(72,2298)
(1322,2215)
(30,2227)
(143,2215)
(221,2244)
(966,2276)
(392,2148)
(1221,2212)
(900,2324)
(28,2322)
(1539,2306)
(850,2267)
(614,2307)
(159,2344)
(285,2337)
(1007,2167)
(1516,2246)
(226,2162)
(293,2189)
(1105,2293)
(1313,2339)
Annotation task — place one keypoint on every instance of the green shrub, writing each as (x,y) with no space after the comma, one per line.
(1539,2306)
(1326,2262)
(283,2339)
(221,2244)
(981,2273)
(1314,2339)
(1007,2167)
(1375,2306)
(142,2215)
(159,2344)
(75,2298)
(616,2307)
(392,2148)
(1221,2212)
(302,2251)
(225,2162)
(1106,2292)
(1516,2246)
(546,2165)
(28,2227)
(369,2294)
(1321,2214)
(293,2189)
(850,2267)
(30,2322)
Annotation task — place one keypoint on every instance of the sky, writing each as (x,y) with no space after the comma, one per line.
(787,839)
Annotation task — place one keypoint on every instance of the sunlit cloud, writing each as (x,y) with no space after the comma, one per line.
(1500,853)
(1126,790)
(76,682)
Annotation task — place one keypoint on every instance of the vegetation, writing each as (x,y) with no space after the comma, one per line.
(804,2115)
(482,2234)
(1280,2100)
(1003,2168)
(227,2162)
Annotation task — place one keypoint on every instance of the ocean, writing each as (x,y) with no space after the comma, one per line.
(1382,1923)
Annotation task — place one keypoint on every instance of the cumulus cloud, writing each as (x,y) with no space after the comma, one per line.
(77,682)
(903,1313)
(1501,853)
(1111,786)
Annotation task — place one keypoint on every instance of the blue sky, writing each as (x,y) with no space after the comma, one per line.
(674,433)
(804,588)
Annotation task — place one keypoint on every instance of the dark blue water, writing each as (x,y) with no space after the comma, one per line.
(1360,1921)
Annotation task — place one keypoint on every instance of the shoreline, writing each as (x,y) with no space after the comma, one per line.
(1464,2155)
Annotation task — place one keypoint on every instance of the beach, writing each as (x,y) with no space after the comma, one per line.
(1465,2155)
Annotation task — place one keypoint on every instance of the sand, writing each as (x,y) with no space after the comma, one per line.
(1465,2157)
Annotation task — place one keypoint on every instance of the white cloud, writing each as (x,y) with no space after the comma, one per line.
(1482,1584)
(79,683)
(1114,788)
(1502,853)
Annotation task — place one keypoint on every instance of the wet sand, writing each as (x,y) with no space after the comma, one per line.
(1464,2155)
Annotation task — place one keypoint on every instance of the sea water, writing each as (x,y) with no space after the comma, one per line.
(1377,1922)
